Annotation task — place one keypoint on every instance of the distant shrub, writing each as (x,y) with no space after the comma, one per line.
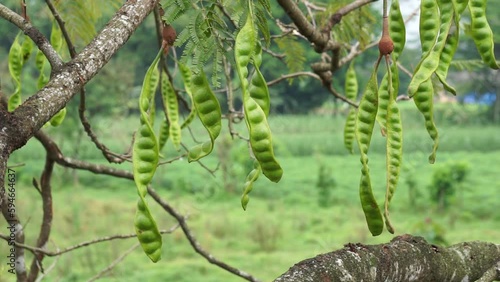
(325,184)
(446,180)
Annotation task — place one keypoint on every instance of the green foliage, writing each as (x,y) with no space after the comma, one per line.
(294,52)
(82,16)
(432,231)
(446,181)
(325,184)
(207,38)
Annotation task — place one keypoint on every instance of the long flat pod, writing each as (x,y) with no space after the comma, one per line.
(351,91)
(481,32)
(365,121)
(255,100)
(172,110)
(145,157)
(209,111)
(424,103)
(429,63)
(186,78)
(394,147)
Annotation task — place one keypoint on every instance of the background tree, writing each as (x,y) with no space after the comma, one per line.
(228,42)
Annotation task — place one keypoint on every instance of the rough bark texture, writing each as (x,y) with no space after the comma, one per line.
(405,258)
(39,108)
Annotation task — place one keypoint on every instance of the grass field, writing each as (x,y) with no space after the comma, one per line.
(283,223)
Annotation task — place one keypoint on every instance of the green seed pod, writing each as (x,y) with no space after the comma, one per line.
(147,231)
(186,78)
(27,48)
(58,118)
(209,111)
(481,32)
(251,178)
(397,29)
(351,92)
(145,158)
(429,24)
(424,103)
(430,62)
(261,139)
(394,149)
(256,110)
(163,134)
(172,109)
(365,121)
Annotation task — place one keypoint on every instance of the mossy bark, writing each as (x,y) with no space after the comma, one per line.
(405,258)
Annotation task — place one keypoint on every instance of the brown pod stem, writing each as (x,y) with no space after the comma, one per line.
(168,34)
(168,37)
(385,45)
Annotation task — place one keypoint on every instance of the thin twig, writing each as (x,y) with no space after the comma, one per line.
(192,240)
(405,70)
(62,26)
(320,40)
(114,263)
(82,244)
(341,97)
(47,215)
(211,171)
(336,17)
(292,75)
(47,270)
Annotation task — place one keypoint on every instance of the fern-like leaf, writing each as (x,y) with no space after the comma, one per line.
(294,52)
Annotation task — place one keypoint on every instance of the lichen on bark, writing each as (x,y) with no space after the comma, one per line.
(405,258)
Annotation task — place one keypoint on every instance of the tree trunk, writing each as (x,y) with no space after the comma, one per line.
(405,258)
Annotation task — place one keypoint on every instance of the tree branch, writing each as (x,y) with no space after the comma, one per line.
(320,40)
(405,256)
(46,226)
(292,75)
(60,159)
(62,26)
(336,17)
(30,116)
(114,263)
(83,244)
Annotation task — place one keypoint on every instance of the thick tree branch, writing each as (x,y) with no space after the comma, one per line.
(28,118)
(405,258)
(41,42)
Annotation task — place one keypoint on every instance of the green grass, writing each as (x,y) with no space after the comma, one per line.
(283,224)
